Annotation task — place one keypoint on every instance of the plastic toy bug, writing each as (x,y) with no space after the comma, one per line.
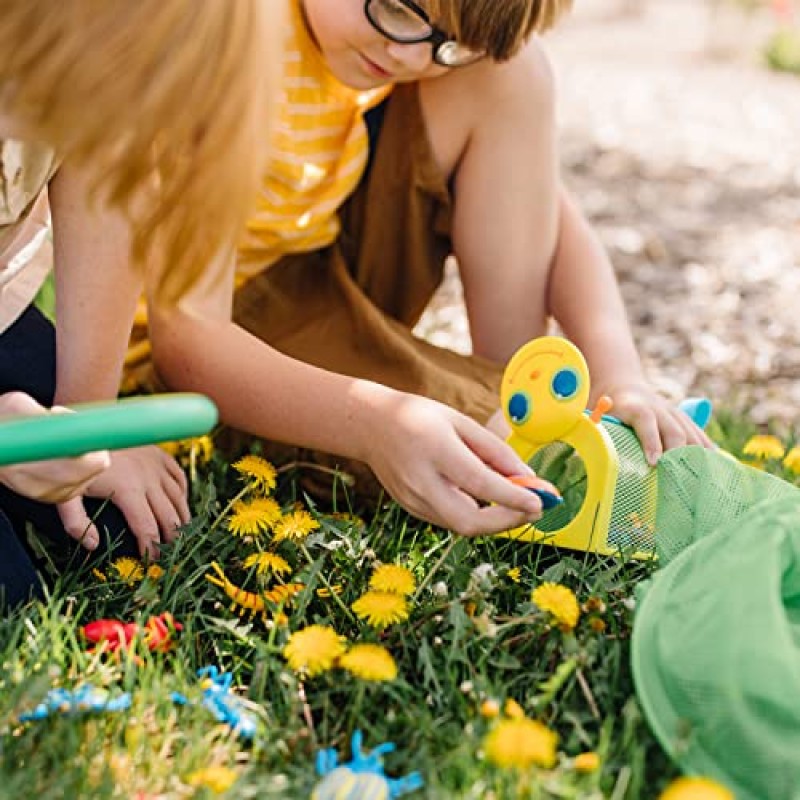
(222,703)
(361,778)
(610,491)
(544,490)
(83,700)
(249,603)
(111,635)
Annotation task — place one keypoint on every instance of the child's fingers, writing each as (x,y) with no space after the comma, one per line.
(176,498)
(457,510)
(77,524)
(645,424)
(673,432)
(490,449)
(168,516)
(694,433)
(142,523)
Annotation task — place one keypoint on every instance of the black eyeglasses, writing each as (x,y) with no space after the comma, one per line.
(404,22)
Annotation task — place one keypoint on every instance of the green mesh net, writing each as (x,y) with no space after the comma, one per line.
(633,515)
(661,510)
(700,490)
(716,640)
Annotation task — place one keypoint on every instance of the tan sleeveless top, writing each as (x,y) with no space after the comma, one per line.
(26,253)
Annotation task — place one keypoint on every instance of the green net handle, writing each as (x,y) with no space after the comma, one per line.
(113,425)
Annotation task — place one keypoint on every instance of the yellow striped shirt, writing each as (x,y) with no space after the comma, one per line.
(319,152)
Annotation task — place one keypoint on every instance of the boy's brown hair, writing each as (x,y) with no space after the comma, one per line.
(164,100)
(498,27)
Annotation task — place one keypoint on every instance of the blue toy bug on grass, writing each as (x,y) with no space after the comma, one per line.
(361,778)
(83,700)
(222,703)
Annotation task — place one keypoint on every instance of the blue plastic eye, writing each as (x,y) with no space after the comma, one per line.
(565,383)
(519,407)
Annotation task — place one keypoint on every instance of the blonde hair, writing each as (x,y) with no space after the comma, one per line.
(165,100)
(498,27)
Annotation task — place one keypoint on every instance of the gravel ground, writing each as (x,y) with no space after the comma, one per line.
(685,153)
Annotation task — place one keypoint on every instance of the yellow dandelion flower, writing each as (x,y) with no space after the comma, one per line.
(254,517)
(586,762)
(324,591)
(171,448)
(695,789)
(597,625)
(380,609)
(370,662)
(490,708)
(216,779)
(394,579)
(559,601)
(258,472)
(295,526)
(792,460)
(515,573)
(127,569)
(202,448)
(512,709)
(99,575)
(520,744)
(764,447)
(314,649)
(154,572)
(268,562)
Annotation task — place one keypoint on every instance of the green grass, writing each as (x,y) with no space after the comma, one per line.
(467,640)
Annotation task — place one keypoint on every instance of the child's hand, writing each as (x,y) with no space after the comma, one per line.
(52,481)
(659,425)
(446,468)
(61,480)
(149,487)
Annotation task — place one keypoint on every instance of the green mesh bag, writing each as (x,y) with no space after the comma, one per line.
(716,638)
(658,510)
(632,520)
(700,491)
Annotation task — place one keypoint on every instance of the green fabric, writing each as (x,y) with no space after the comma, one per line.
(716,638)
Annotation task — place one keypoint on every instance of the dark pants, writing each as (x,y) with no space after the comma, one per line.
(28,364)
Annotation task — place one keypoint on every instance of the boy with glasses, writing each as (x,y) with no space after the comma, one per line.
(408,131)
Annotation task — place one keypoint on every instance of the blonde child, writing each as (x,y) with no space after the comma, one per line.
(140,128)
(410,130)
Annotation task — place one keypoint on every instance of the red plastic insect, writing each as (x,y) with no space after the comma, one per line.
(110,635)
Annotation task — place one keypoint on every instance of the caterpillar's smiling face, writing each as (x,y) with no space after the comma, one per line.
(545,389)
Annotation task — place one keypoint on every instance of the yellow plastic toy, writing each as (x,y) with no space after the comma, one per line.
(595,461)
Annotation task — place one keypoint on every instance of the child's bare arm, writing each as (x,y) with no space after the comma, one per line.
(96,293)
(586,300)
(526,252)
(438,464)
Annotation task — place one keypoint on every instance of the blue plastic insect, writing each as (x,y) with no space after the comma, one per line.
(83,700)
(362,778)
(222,703)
